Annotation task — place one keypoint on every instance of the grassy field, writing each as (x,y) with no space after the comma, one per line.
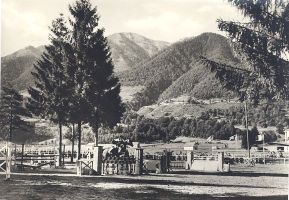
(260,182)
(127,92)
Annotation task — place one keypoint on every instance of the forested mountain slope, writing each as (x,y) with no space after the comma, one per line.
(177,70)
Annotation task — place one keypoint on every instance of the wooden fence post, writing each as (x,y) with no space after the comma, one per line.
(78,168)
(220,161)
(97,159)
(190,157)
(8,160)
(138,161)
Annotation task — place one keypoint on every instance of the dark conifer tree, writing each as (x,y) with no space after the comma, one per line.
(261,43)
(96,95)
(51,94)
(12,111)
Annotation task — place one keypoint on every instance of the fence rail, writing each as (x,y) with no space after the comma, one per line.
(259,160)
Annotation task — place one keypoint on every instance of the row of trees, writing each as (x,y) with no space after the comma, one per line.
(139,128)
(74,80)
(263,115)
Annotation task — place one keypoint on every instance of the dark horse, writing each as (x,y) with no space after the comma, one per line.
(120,148)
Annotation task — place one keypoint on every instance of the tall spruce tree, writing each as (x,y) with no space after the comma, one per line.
(12,111)
(51,95)
(262,44)
(96,94)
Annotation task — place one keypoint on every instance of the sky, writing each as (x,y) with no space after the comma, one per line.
(25,22)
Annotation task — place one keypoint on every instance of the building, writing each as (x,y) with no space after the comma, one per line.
(277,147)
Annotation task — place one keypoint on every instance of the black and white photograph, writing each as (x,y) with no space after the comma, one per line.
(144,99)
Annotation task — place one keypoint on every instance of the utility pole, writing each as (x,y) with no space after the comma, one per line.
(247,130)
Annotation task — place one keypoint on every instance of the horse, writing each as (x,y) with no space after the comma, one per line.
(120,148)
(112,151)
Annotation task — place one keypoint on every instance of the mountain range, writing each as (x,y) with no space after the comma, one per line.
(151,72)
(127,50)
(177,70)
(158,70)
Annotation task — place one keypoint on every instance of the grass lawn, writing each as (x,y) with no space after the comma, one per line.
(260,182)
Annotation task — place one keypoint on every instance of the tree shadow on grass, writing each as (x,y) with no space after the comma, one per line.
(244,174)
(124,180)
(177,183)
(158,193)
(81,188)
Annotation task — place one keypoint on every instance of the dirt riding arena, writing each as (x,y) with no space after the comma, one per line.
(259,182)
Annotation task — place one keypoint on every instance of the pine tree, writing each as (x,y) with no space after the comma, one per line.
(261,44)
(50,96)
(96,93)
(12,112)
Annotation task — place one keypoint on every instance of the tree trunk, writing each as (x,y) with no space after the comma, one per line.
(79,140)
(72,143)
(247,130)
(60,143)
(95,130)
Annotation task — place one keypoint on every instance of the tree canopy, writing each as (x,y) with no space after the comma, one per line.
(12,112)
(261,43)
(51,95)
(74,79)
(97,89)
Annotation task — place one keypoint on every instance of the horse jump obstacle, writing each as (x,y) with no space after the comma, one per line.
(214,163)
(165,162)
(35,161)
(35,158)
(112,165)
(5,160)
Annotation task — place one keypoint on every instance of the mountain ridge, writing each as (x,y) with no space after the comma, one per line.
(130,49)
(170,64)
(163,71)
